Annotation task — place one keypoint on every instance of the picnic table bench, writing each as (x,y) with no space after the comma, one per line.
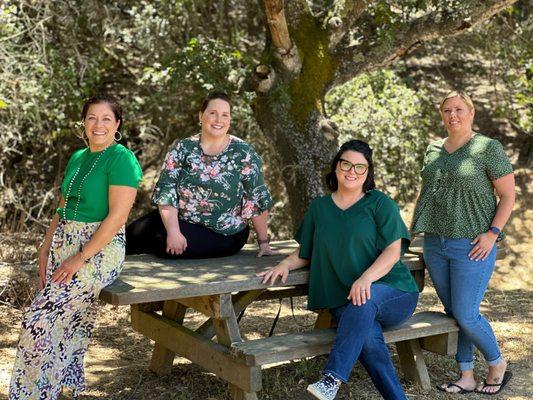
(160,291)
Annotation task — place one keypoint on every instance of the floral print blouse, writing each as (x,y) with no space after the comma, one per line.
(220,192)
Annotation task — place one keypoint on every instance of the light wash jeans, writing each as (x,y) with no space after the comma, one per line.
(360,336)
(461,284)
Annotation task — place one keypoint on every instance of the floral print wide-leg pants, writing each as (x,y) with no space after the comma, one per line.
(58,324)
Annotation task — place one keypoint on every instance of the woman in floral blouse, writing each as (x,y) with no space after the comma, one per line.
(211,184)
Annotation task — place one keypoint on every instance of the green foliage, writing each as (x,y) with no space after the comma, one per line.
(395,120)
(152,55)
(495,64)
(161,57)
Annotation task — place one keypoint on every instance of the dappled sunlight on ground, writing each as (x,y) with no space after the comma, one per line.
(118,359)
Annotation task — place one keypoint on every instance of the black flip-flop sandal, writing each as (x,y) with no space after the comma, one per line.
(506,378)
(462,390)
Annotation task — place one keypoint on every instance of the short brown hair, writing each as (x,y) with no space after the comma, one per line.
(456,93)
(111,101)
(213,96)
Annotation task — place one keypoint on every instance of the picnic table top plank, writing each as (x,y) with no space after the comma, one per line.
(146,278)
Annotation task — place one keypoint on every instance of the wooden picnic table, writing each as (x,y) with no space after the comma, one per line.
(159,292)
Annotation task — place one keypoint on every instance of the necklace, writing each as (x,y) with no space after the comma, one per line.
(219,149)
(69,189)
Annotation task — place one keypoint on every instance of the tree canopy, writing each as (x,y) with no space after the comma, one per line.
(303,74)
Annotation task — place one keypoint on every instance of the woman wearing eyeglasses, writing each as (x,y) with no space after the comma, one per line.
(462,220)
(353,239)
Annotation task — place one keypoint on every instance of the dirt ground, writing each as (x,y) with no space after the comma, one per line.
(117,361)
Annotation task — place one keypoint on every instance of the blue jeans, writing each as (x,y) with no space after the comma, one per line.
(360,337)
(461,284)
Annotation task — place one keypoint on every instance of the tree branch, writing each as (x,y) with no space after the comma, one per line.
(286,52)
(278,25)
(375,52)
(341,17)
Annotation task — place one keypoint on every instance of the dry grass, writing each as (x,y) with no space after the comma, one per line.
(117,361)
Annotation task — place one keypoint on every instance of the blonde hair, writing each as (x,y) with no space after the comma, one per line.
(455,93)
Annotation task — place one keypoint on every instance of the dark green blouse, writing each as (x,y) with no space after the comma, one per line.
(457,198)
(342,244)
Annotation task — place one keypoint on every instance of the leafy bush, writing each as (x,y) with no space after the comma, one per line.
(396,121)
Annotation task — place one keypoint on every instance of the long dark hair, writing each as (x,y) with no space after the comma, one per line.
(215,95)
(104,98)
(360,147)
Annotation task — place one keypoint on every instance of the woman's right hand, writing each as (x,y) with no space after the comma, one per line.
(43,262)
(280,270)
(176,243)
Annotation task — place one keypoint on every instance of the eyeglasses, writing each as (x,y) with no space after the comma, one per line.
(346,166)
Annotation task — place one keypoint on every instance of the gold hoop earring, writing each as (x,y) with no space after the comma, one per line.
(119,136)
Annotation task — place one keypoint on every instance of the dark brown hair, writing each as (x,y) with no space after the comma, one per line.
(103,98)
(360,147)
(213,96)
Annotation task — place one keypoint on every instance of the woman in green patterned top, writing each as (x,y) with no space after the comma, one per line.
(211,184)
(462,219)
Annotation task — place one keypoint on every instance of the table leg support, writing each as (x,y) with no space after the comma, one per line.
(412,363)
(227,332)
(163,358)
(239,394)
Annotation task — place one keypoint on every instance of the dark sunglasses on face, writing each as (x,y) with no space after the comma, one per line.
(346,166)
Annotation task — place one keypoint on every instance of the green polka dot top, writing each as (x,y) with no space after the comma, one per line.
(457,198)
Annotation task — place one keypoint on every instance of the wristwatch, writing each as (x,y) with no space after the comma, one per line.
(495,230)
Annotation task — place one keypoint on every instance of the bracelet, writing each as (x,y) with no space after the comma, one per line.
(85,259)
(263,241)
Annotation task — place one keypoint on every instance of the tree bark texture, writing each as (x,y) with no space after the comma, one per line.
(309,54)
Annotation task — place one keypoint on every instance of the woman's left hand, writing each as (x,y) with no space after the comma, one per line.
(483,245)
(360,291)
(265,250)
(67,269)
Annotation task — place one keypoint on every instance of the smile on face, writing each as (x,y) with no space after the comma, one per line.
(456,115)
(100,126)
(350,179)
(216,118)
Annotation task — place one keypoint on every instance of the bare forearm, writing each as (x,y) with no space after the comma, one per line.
(384,262)
(260,224)
(293,261)
(105,233)
(121,200)
(169,216)
(503,211)
(47,241)
(413,214)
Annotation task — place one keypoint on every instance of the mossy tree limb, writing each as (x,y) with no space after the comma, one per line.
(328,48)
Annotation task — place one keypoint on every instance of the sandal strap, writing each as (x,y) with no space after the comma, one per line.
(451,384)
(491,384)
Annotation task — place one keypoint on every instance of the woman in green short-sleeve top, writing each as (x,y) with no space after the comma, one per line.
(353,240)
(82,252)
(461,217)
(210,187)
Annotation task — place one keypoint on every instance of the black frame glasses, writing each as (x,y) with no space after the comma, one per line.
(346,166)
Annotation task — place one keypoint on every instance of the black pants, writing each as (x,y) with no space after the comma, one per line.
(147,235)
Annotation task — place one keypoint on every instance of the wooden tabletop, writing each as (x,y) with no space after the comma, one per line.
(146,278)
